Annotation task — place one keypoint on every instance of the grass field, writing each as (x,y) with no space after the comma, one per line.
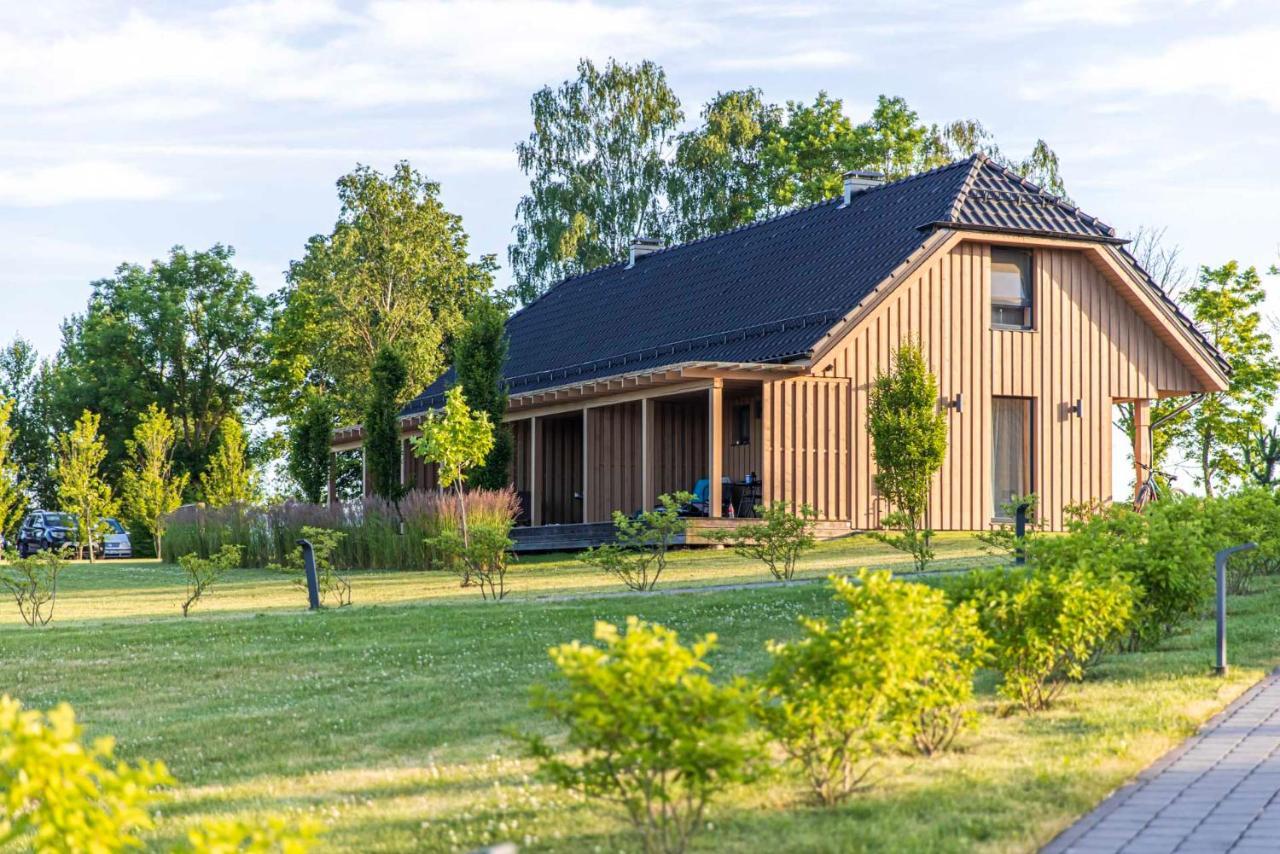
(387,720)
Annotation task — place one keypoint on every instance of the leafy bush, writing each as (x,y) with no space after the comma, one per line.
(1165,552)
(638,554)
(203,573)
(482,558)
(275,835)
(33,583)
(1251,515)
(60,794)
(1046,626)
(777,540)
(655,734)
(899,667)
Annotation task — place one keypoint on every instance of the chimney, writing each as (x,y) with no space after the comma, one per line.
(642,246)
(857,180)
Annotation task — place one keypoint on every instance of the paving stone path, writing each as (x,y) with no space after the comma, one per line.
(1219,791)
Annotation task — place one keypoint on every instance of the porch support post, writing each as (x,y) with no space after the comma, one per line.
(586,465)
(364,470)
(647,496)
(1141,442)
(333,478)
(535,475)
(715,444)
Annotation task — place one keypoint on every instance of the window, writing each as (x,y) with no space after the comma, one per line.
(1010,288)
(742,424)
(1010,452)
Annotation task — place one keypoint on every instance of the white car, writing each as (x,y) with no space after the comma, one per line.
(115,542)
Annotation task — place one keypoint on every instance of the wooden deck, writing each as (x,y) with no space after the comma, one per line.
(556,538)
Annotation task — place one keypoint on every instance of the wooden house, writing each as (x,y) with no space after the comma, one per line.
(750,355)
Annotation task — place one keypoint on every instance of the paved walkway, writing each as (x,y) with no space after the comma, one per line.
(1219,791)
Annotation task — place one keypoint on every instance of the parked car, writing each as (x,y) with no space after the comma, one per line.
(115,542)
(43,529)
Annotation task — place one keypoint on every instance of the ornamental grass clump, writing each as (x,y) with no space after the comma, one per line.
(648,729)
(777,540)
(638,554)
(1047,626)
(896,671)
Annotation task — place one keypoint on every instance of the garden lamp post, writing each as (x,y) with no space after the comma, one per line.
(313,583)
(1220,566)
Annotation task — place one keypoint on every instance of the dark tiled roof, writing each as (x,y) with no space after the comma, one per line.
(766,292)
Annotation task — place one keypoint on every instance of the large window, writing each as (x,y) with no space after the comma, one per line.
(1010,288)
(1010,452)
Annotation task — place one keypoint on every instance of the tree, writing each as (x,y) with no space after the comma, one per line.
(12,500)
(229,479)
(479,356)
(894,142)
(596,162)
(184,333)
(28,382)
(724,173)
(82,487)
(457,440)
(909,436)
(381,425)
(1225,303)
(1262,455)
(394,272)
(149,488)
(309,457)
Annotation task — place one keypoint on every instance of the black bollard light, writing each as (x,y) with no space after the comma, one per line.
(1020,534)
(1220,570)
(313,583)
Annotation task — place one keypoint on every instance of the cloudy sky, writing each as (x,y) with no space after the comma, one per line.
(126,128)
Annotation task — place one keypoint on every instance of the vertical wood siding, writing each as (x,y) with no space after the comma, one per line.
(1087,344)
(560,465)
(680,443)
(806,438)
(613,461)
(417,474)
(742,459)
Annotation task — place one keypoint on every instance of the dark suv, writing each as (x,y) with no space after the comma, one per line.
(46,530)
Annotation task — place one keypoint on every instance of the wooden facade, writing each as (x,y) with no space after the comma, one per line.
(1097,337)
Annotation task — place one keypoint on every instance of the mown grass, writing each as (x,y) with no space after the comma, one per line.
(387,720)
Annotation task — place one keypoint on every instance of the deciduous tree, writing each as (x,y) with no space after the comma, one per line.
(909,438)
(82,486)
(229,479)
(457,440)
(479,355)
(309,457)
(596,161)
(12,500)
(149,487)
(381,426)
(395,271)
(28,382)
(1225,303)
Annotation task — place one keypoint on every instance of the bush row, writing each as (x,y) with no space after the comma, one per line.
(379,534)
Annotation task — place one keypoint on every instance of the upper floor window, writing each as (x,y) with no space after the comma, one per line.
(1010,288)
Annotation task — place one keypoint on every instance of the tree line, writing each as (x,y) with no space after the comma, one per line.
(377,308)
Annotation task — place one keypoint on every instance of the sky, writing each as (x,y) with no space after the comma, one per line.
(128,128)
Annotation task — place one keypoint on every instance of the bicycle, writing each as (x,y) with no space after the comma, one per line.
(1150,490)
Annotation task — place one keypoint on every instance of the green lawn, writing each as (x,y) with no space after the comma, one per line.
(386,720)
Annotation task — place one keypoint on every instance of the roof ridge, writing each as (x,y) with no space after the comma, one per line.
(1071,209)
(962,195)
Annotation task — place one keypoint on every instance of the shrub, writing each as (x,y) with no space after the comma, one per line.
(777,540)
(1165,553)
(1251,515)
(60,794)
(202,573)
(638,554)
(483,558)
(1047,626)
(655,734)
(237,836)
(33,583)
(898,668)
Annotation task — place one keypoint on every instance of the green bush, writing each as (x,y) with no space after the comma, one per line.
(777,540)
(1164,552)
(897,669)
(1251,515)
(653,732)
(32,581)
(481,557)
(1046,626)
(203,573)
(638,554)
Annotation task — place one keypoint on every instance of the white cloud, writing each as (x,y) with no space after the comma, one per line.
(1237,67)
(85,181)
(797,59)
